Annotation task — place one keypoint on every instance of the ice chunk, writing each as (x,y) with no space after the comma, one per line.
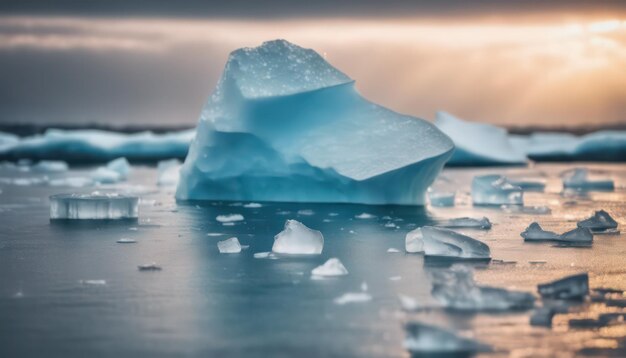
(284,125)
(229,218)
(445,243)
(229,246)
(465,222)
(252,206)
(149,267)
(51,166)
(581,236)
(8,141)
(570,287)
(168,172)
(534,232)
(455,289)
(93,282)
(296,238)
(306,212)
(97,205)
(353,297)
(332,267)
(600,222)
(120,166)
(542,316)
(393,250)
(478,143)
(422,339)
(365,216)
(105,175)
(577,178)
(74,182)
(495,190)
(126,240)
(441,199)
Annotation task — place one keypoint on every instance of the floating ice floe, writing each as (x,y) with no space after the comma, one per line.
(393,250)
(353,297)
(97,205)
(599,223)
(252,206)
(126,240)
(465,222)
(577,178)
(229,246)
(298,239)
(495,190)
(456,289)
(284,125)
(229,218)
(365,216)
(332,267)
(115,171)
(50,166)
(478,143)
(438,242)
(570,287)
(598,146)
(534,232)
(422,339)
(149,267)
(580,236)
(168,172)
(93,282)
(306,212)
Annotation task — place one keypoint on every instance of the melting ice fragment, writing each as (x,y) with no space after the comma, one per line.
(51,166)
(456,289)
(97,205)
(465,222)
(495,190)
(353,297)
(600,222)
(332,267)
(229,246)
(365,216)
(284,125)
(441,199)
(580,236)
(534,232)
(577,178)
(229,218)
(570,287)
(298,239)
(168,172)
(438,242)
(423,339)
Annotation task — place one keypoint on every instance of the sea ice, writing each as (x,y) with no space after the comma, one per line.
(296,238)
(465,222)
(149,267)
(332,267)
(570,287)
(365,216)
(600,222)
(478,143)
(542,316)
(422,339)
(495,190)
(456,289)
(577,178)
(51,166)
(97,205)
(284,125)
(168,172)
(353,297)
(438,242)
(229,246)
(534,232)
(229,218)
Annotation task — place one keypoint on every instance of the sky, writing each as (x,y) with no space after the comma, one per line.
(513,63)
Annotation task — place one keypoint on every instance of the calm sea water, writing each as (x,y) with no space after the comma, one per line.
(208,304)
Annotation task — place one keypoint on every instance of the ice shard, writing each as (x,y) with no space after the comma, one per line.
(534,232)
(168,172)
(332,267)
(94,206)
(284,125)
(578,236)
(298,239)
(465,222)
(426,340)
(229,246)
(438,242)
(495,190)
(600,222)
(578,178)
(570,287)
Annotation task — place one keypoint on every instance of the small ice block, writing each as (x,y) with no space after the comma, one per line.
(600,222)
(229,246)
(577,178)
(570,287)
(495,190)
(534,232)
(542,317)
(297,239)
(438,242)
(94,206)
(441,199)
(332,267)
(465,222)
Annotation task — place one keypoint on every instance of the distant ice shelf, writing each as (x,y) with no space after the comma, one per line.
(94,206)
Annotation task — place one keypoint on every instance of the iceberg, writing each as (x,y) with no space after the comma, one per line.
(567,288)
(465,222)
(534,232)
(577,178)
(115,171)
(298,239)
(600,222)
(426,340)
(438,242)
(353,297)
(598,146)
(456,289)
(229,218)
(229,246)
(332,267)
(168,172)
(478,143)
(284,125)
(94,206)
(495,190)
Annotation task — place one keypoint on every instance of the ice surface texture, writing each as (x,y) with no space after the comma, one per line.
(94,206)
(229,246)
(465,222)
(534,232)
(478,143)
(298,239)
(284,125)
(495,190)
(433,241)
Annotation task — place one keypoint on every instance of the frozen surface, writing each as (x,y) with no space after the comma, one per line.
(456,289)
(440,242)
(465,222)
(578,178)
(425,340)
(298,239)
(478,143)
(94,206)
(229,246)
(534,232)
(228,218)
(570,287)
(495,190)
(284,125)
(600,221)
(332,267)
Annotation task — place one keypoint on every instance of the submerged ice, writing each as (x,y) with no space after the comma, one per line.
(438,242)
(284,125)
(298,239)
(94,206)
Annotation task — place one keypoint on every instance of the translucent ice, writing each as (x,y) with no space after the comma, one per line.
(478,143)
(577,178)
(284,125)
(365,216)
(456,289)
(433,241)
(296,238)
(422,339)
(168,172)
(441,199)
(229,246)
(51,166)
(600,222)
(570,287)
(534,232)
(101,206)
(332,267)
(482,223)
(495,190)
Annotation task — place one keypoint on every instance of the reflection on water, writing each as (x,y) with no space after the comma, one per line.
(205,303)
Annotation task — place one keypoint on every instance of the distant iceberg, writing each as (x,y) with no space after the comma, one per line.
(284,125)
(597,146)
(478,143)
